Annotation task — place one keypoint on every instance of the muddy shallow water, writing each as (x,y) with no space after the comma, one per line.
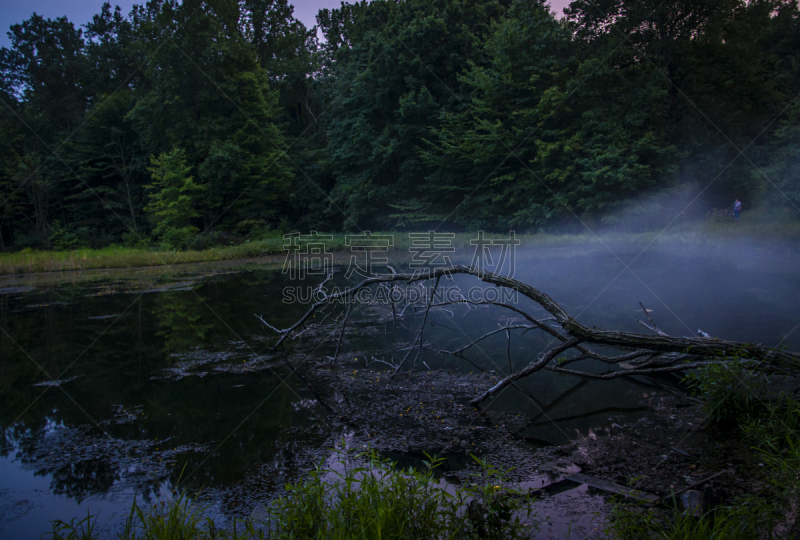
(130,383)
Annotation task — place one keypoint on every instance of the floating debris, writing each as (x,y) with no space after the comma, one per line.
(612,487)
(57,383)
(39,306)
(16,290)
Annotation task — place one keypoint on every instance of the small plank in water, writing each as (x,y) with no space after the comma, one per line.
(613,488)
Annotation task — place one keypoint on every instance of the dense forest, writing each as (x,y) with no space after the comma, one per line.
(202,122)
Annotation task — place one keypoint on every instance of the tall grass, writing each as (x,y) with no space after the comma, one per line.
(181,519)
(28,261)
(360,497)
(759,224)
(747,519)
(373,501)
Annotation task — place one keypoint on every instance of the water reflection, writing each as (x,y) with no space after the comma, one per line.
(183,321)
(158,373)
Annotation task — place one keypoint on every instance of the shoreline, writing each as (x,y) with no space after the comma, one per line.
(29,263)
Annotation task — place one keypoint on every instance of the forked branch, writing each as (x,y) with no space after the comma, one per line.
(642,354)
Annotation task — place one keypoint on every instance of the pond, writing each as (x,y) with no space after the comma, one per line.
(130,383)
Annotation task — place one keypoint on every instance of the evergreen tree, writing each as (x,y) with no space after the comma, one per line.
(782,171)
(109,158)
(173,199)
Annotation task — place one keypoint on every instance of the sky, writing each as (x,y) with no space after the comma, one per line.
(81,11)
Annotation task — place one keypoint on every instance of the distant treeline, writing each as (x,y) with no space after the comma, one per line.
(209,121)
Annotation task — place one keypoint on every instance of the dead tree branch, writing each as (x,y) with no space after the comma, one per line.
(418,339)
(646,354)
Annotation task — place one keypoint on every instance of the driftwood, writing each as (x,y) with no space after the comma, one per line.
(640,354)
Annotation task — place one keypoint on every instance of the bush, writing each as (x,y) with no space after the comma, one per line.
(181,519)
(136,240)
(737,396)
(178,238)
(63,239)
(730,390)
(33,240)
(776,438)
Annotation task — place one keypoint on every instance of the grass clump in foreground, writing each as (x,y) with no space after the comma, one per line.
(735,397)
(363,497)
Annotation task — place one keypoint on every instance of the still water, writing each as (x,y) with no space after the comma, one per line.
(163,376)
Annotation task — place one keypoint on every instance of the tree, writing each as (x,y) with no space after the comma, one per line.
(512,105)
(714,72)
(111,52)
(206,93)
(108,156)
(782,171)
(396,66)
(173,199)
(571,342)
(47,67)
(44,97)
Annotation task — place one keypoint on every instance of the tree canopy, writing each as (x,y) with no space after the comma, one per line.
(390,114)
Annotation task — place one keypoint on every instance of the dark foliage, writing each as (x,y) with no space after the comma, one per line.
(408,113)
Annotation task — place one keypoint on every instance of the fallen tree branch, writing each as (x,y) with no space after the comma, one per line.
(341,333)
(649,354)
(418,339)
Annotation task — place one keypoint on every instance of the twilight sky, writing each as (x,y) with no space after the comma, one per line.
(81,11)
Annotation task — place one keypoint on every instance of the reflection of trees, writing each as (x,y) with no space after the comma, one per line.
(81,479)
(182,321)
(40,446)
(81,462)
(206,410)
(122,356)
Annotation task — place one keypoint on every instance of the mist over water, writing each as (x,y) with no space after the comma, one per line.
(168,374)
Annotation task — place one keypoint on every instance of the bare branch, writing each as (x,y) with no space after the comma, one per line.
(260,318)
(418,339)
(652,326)
(533,367)
(493,332)
(649,354)
(627,373)
(341,333)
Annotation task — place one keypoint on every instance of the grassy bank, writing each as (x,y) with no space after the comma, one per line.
(26,261)
(760,228)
